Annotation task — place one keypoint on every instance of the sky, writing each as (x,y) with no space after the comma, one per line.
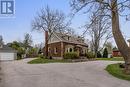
(25,10)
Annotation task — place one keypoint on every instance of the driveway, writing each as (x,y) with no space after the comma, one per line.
(86,74)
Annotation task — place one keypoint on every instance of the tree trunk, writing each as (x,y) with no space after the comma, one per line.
(46,44)
(119,39)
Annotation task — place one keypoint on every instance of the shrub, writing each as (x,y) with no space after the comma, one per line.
(105,53)
(41,56)
(71,55)
(90,55)
(99,55)
(20,56)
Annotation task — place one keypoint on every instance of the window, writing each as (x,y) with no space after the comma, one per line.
(68,38)
(55,50)
(71,50)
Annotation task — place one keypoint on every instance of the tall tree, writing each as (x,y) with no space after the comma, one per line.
(27,41)
(99,30)
(49,21)
(111,8)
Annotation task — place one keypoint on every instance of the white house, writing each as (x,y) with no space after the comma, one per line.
(7,53)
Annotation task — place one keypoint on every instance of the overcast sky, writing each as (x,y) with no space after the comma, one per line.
(14,28)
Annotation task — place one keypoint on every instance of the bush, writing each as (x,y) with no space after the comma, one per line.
(90,55)
(41,56)
(71,56)
(19,56)
(99,55)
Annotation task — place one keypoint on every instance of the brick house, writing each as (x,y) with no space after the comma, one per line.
(116,53)
(59,44)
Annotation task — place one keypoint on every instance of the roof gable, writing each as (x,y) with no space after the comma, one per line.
(7,49)
(70,39)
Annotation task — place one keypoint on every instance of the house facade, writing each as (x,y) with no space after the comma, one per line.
(59,44)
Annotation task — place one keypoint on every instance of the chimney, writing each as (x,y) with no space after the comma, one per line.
(128,42)
(46,43)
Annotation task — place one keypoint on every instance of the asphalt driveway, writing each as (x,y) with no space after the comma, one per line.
(87,74)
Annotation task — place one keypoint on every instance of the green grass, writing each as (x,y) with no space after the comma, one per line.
(43,60)
(111,59)
(116,71)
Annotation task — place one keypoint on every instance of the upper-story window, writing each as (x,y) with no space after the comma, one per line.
(68,38)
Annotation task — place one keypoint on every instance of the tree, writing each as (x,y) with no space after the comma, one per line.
(109,47)
(105,53)
(17,46)
(99,55)
(40,51)
(98,29)
(1,40)
(49,21)
(27,41)
(112,9)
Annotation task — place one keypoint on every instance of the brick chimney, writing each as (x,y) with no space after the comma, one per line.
(46,43)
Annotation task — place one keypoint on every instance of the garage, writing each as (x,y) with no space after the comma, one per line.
(7,53)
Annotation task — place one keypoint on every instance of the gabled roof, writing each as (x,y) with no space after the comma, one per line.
(72,39)
(7,49)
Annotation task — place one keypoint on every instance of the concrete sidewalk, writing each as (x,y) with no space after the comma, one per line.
(87,74)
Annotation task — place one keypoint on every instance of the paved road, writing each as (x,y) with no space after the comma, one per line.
(87,74)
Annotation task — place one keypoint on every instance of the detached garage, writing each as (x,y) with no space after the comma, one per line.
(7,53)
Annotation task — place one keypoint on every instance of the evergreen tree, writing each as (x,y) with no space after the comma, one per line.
(105,53)
(99,55)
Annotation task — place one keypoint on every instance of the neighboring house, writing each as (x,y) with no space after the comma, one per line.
(59,44)
(7,53)
(116,53)
(109,54)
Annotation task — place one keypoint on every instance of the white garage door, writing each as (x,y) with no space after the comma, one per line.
(7,56)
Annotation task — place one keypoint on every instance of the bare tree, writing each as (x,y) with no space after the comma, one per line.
(98,29)
(113,9)
(1,40)
(49,21)
(27,41)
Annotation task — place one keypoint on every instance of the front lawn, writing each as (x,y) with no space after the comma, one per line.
(43,60)
(116,71)
(111,59)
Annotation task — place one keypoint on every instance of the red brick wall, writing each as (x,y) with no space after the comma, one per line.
(57,45)
(116,54)
(52,46)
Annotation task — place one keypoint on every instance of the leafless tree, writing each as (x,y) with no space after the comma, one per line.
(27,42)
(98,29)
(113,9)
(1,40)
(50,21)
